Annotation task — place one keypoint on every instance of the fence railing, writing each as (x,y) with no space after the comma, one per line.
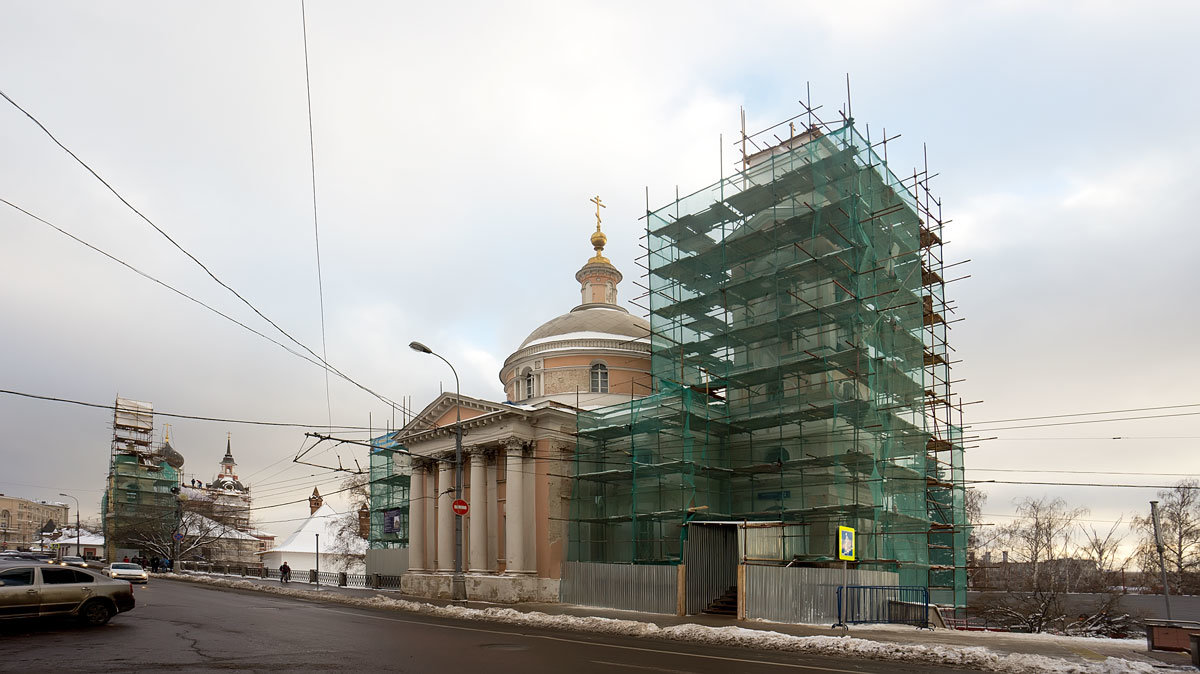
(366,581)
(898,604)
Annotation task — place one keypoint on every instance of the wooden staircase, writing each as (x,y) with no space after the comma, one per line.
(726,604)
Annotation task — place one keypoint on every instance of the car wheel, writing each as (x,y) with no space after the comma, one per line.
(95,613)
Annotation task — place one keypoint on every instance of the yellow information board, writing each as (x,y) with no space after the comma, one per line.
(846,543)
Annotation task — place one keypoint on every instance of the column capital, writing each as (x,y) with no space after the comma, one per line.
(514,443)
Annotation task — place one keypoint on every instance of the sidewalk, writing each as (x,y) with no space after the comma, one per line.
(982,650)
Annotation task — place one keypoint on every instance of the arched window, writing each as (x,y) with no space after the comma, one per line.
(599,378)
(529,385)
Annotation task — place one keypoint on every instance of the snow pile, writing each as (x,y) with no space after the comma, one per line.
(975,657)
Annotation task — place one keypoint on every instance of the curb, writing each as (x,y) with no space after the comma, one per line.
(977,657)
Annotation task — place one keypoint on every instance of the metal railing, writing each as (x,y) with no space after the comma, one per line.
(331,578)
(897,604)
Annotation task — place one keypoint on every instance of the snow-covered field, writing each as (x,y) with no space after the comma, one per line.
(975,657)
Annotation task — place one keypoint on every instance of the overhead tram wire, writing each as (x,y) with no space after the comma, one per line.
(189,255)
(312,160)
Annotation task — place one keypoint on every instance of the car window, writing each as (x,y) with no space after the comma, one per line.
(64,576)
(130,567)
(13,577)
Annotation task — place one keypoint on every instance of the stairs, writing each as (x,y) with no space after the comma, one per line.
(726,604)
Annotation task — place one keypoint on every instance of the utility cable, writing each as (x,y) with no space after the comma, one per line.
(173,289)
(312,162)
(174,416)
(1085,414)
(183,250)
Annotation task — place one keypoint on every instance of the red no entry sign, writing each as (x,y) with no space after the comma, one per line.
(460,507)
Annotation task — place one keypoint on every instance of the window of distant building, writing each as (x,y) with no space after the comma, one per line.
(599,378)
(529,384)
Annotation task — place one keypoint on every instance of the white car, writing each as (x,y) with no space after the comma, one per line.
(133,573)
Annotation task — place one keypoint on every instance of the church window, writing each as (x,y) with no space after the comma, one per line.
(529,385)
(599,378)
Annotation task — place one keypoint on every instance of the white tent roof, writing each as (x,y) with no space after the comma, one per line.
(304,540)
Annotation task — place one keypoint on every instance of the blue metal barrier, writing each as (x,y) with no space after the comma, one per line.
(899,604)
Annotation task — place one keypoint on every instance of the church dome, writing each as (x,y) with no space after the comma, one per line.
(172,456)
(591,321)
(594,355)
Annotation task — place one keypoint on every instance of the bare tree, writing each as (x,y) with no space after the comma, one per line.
(1179,516)
(156,535)
(1103,550)
(1041,567)
(349,542)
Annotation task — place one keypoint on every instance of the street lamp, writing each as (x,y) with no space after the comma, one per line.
(458,586)
(78,550)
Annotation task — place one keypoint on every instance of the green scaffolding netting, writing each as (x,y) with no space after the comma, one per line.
(390,479)
(802,375)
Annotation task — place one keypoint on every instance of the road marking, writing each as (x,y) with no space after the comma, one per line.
(629,666)
(791,665)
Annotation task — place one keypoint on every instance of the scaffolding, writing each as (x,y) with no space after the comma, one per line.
(390,478)
(802,370)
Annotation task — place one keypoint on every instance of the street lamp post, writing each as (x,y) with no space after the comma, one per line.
(78,550)
(458,586)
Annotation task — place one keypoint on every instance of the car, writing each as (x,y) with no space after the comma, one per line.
(31,590)
(76,561)
(133,573)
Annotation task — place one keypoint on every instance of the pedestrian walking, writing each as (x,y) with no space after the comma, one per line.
(285,573)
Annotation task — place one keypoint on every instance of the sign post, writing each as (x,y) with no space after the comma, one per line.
(460,507)
(846,554)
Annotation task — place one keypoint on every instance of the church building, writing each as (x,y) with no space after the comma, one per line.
(517,454)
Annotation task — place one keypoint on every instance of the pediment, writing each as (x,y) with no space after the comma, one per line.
(442,408)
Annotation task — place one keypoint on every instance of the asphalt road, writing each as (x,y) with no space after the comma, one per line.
(195,628)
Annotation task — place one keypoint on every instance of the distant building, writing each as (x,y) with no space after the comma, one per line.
(23,520)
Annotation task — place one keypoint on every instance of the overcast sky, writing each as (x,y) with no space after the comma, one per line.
(456,150)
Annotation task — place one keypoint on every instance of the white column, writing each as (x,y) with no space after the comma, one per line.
(445,517)
(478,512)
(514,511)
(416,518)
(493,514)
(430,516)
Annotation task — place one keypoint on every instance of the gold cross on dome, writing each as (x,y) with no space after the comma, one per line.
(599,205)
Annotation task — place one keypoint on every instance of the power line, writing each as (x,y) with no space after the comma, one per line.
(173,289)
(1084,414)
(1090,421)
(1074,472)
(175,416)
(1086,484)
(312,157)
(193,258)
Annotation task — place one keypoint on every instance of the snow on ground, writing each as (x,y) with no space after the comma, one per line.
(975,657)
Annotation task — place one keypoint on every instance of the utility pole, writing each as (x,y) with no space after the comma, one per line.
(1162,564)
(318,560)
(178,535)
(78,550)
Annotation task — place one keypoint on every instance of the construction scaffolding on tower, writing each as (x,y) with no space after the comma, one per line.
(138,502)
(802,371)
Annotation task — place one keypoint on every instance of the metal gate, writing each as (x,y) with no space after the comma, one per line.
(711,558)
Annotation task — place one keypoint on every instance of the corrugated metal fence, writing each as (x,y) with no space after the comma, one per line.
(802,595)
(632,587)
(711,559)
